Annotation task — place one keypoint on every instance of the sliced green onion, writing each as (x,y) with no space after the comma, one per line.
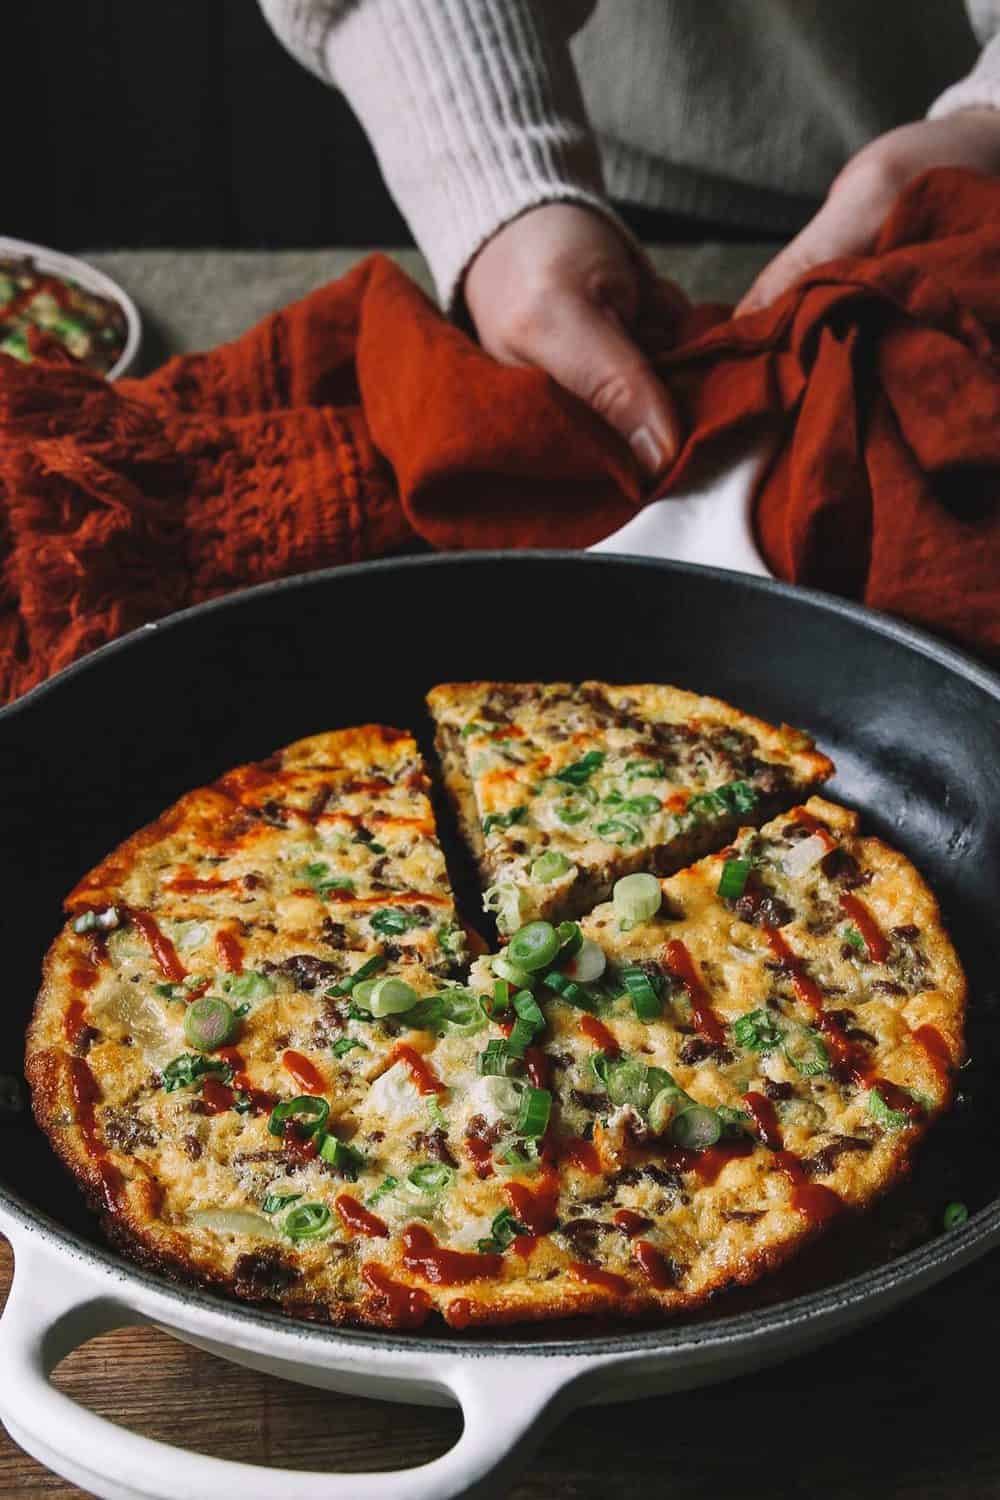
(275,1202)
(431,1179)
(209,1023)
(572,810)
(362,993)
(368,968)
(512,973)
(534,946)
(740,796)
(376,848)
(322,882)
(463,1012)
(663,1108)
(428,1014)
(568,990)
(503,1231)
(528,1008)
(757,1032)
(549,866)
(436,1113)
(954,1216)
(587,964)
(735,874)
(851,935)
(345,1044)
(501,994)
(581,770)
(242,1102)
(391,920)
(504,899)
(503,820)
(645,1001)
(807,1052)
(570,937)
(391,997)
(619,831)
(696,1128)
(523,1159)
(496,1059)
(309,1221)
(889,1119)
(385,1186)
(637,898)
(251,986)
(185,1070)
(599,1065)
(347,1160)
(733,1120)
(536,1106)
(628,1083)
(522,1034)
(310,1112)
(653,769)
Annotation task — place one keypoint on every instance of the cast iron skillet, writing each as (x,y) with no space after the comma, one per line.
(86,759)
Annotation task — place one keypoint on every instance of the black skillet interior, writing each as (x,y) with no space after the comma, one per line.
(914,730)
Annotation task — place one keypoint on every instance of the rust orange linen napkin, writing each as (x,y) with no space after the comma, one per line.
(358,421)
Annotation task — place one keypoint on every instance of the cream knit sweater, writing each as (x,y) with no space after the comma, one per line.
(736,111)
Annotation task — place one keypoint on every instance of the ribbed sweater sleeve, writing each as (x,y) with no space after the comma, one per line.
(979,89)
(472,106)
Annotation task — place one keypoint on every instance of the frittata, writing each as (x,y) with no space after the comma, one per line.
(254,1048)
(560,788)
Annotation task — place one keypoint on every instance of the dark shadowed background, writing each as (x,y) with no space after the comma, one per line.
(186,123)
(178,122)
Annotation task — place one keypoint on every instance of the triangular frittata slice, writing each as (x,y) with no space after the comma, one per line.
(562,788)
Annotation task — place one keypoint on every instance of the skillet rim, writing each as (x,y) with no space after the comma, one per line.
(948,1252)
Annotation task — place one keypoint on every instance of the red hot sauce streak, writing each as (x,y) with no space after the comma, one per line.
(936,1048)
(423,1254)
(535,1207)
(84,1091)
(480,1155)
(681,964)
(876,943)
(707,1164)
(261,1102)
(216,1097)
(581,1153)
(305,1074)
(596,1032)
(765,1119)
(230,951)
(405,1306)
(811,1199)
(657,1269)
(850,1060)
(358,1218)
(594,1276)
(160,946)
(814,825)
(421,1072)
(537,1065)
(632,1223)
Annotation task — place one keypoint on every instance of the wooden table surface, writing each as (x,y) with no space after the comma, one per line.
(904,1410)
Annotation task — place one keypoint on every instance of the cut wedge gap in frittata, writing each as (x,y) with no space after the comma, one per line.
(562,788)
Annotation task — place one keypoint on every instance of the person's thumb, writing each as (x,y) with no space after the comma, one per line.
(586,349)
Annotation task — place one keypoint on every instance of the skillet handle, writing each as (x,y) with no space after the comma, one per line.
(507,1406)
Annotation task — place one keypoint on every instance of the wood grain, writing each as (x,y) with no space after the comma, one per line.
(900,1411)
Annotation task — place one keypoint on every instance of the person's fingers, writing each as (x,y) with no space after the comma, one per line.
(587,350)
(847,224)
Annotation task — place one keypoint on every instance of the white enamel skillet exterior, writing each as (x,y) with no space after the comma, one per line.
(510,1390)
(65,1292)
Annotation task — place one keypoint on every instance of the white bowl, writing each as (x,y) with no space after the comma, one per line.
(91,280)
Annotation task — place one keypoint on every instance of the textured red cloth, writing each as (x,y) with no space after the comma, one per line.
(357,422)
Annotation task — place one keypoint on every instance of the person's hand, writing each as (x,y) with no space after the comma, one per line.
(559,288)
(864,192)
